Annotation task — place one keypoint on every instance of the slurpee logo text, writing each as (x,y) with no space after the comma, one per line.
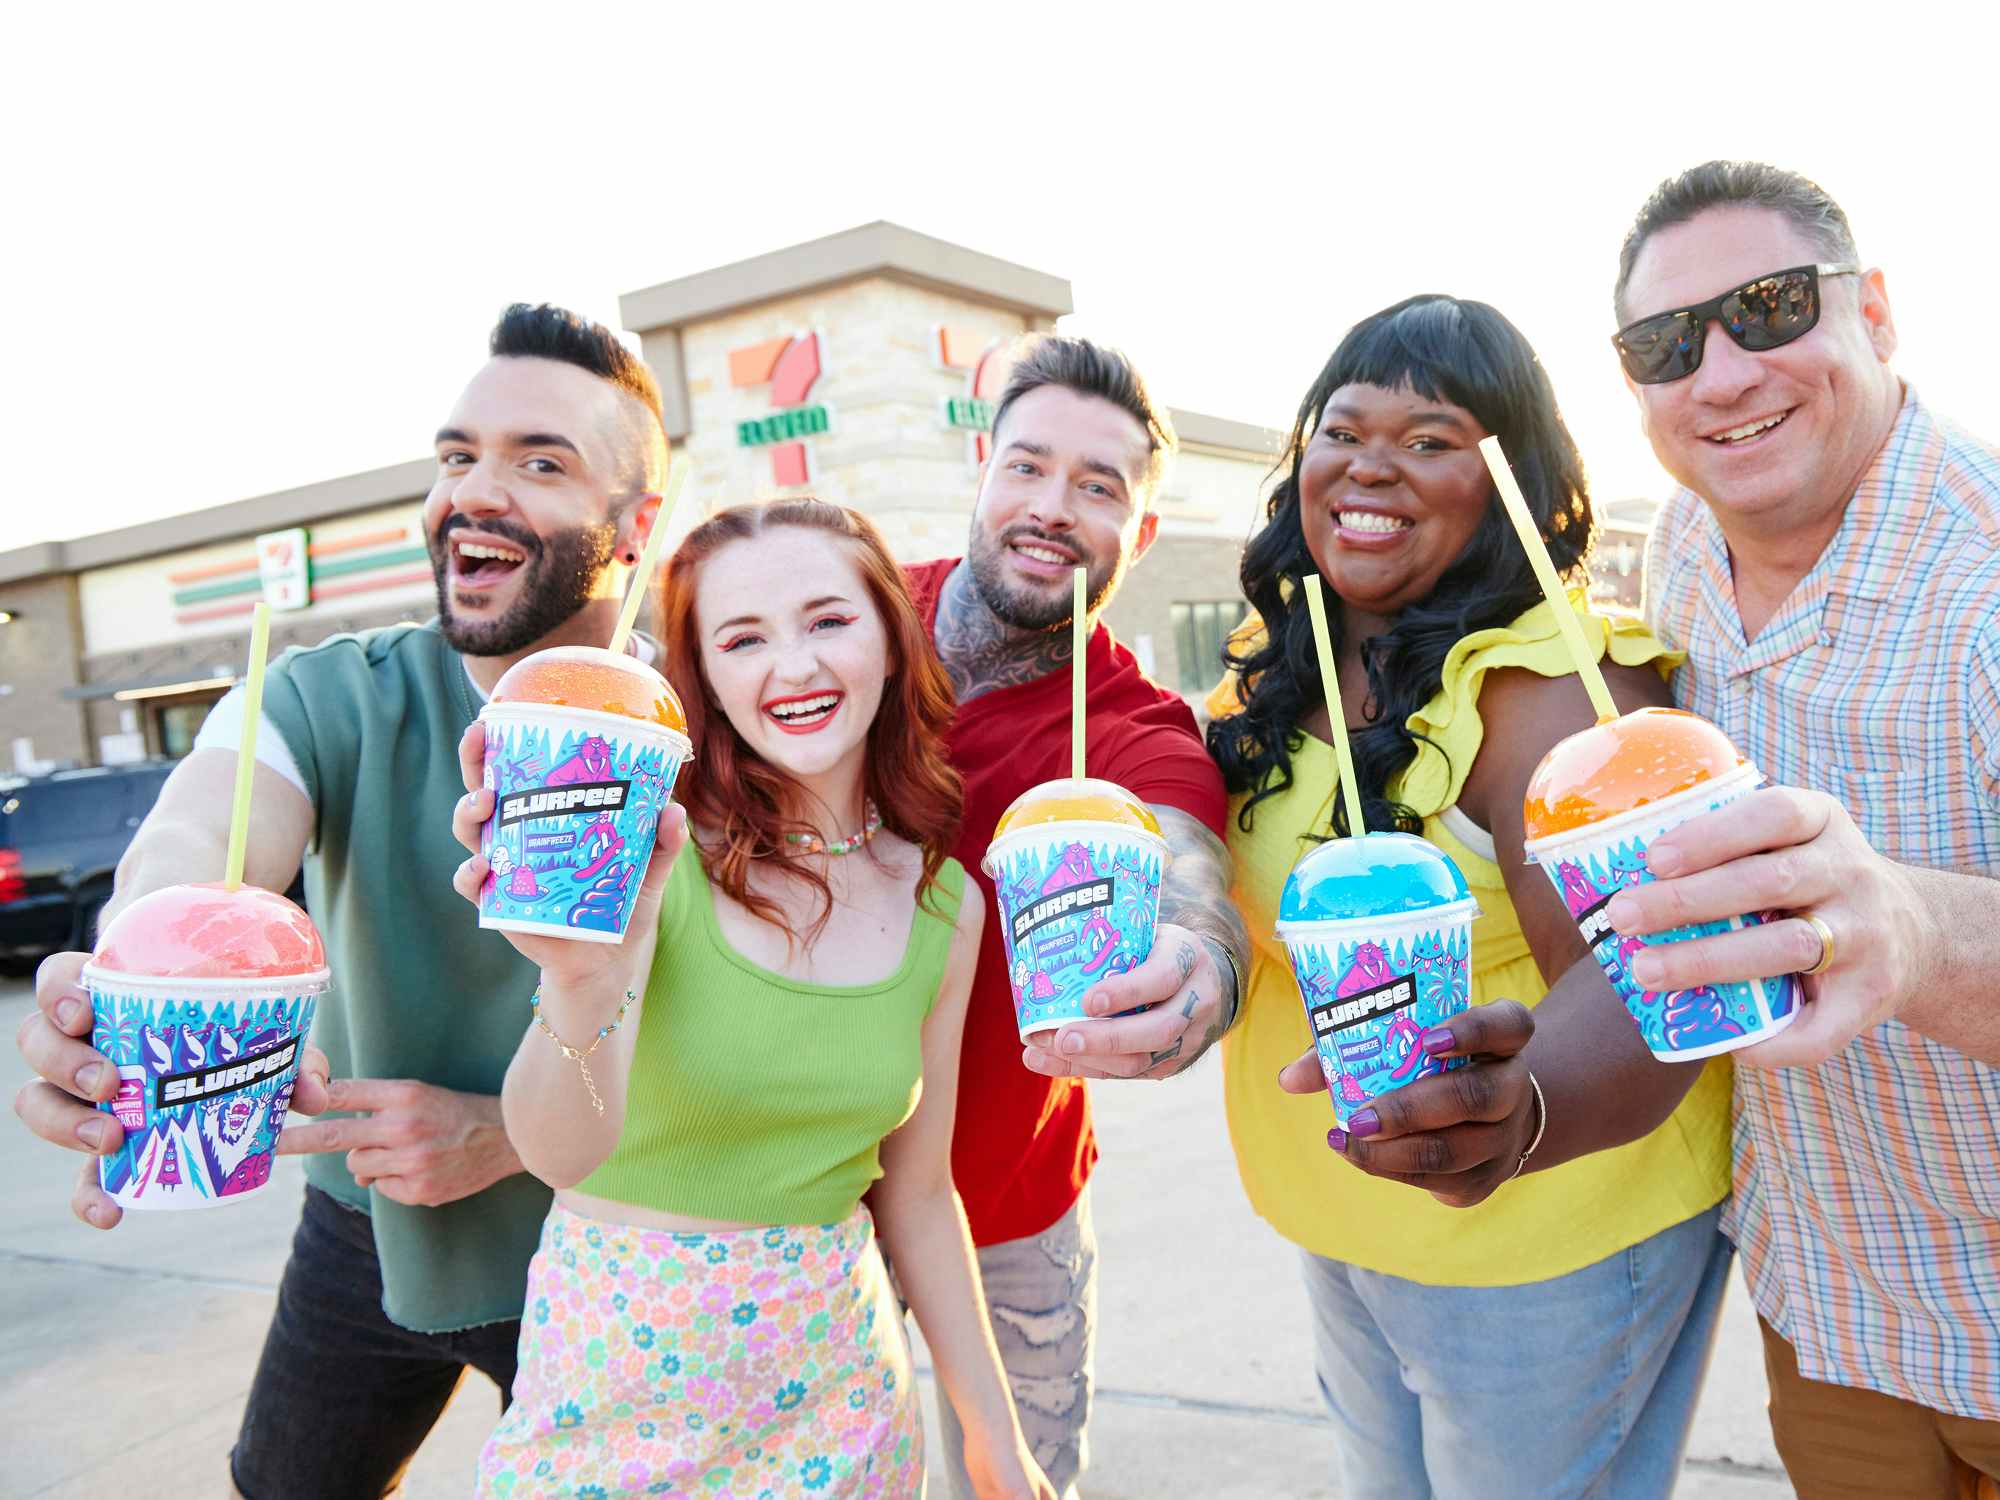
(1061,904)
(555,802)
(205,1083)
(1338,1015)
(1595,924)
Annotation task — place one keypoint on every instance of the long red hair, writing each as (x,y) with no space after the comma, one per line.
(737,794)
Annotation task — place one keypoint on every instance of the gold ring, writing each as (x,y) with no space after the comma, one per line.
(1825,942)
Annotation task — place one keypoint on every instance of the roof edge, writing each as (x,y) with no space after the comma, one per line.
(1200,430)
(877,249)
(220,523)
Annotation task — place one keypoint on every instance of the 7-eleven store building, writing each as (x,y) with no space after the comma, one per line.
(862,368)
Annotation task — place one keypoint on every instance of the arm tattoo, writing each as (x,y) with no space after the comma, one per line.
(981,651)
(1194,893)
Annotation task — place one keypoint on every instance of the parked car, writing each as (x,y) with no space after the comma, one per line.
(61,836)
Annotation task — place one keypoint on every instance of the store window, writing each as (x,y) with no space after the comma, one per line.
(177,721)
(1200,629)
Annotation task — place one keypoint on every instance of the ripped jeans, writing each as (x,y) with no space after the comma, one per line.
(1041,1294)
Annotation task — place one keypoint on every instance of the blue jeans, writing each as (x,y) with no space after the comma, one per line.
(1577,1388)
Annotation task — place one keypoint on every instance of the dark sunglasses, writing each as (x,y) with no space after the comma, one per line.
(1766,313)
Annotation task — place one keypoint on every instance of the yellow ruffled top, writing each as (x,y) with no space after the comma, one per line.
(1543,1225)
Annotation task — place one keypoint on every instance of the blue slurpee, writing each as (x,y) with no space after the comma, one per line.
(1379,929)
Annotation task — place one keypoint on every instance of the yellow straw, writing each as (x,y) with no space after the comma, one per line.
(635,593)
(1545,573)
(1081,632)
(246,748)
(1336,716)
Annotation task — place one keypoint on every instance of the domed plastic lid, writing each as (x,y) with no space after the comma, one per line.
(590,677)
(1070,800)
(1612,768)
(1375,875)
(211,932)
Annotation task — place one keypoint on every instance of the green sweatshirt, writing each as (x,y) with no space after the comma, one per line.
(419,991)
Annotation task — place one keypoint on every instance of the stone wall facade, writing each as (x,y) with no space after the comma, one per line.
(39,651)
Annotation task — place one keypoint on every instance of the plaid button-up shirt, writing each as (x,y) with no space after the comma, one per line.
(1867,1190)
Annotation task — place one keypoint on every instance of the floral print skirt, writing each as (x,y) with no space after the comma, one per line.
(753,1365)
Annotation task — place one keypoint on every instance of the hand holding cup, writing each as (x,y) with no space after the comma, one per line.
(1457,1135)
(570,963)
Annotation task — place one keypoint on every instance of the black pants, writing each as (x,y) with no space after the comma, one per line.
(343,1397)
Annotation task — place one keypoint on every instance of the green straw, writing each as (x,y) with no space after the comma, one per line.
(635,594)
(1545,573)
(246,748)
(1336,716)
(1080,632)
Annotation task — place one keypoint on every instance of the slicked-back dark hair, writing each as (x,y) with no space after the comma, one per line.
(1444,349)
(542,330)
(1724,184)
(1091,370)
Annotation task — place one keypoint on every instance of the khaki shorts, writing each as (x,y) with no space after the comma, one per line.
(1839,1442)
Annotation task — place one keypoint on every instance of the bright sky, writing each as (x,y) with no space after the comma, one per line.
(264,248)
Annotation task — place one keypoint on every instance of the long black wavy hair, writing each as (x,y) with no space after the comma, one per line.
(1443,349)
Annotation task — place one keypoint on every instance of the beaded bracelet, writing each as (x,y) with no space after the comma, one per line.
(535,1005)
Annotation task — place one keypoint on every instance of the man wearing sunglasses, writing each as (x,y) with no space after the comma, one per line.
(1831,566)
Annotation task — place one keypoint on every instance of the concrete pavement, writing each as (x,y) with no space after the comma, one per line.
(1205,1380)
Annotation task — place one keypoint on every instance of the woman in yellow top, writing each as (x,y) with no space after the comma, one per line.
(1549,1339)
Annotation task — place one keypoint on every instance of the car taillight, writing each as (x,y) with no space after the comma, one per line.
(13,884)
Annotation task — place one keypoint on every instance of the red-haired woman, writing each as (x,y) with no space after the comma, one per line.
(708,1308)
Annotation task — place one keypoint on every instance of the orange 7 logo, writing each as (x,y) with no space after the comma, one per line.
(961,349)
(791,365)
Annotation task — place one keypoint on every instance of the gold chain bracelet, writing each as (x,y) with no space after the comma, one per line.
(573,1054)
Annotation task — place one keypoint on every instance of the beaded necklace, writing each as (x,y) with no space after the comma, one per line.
(812,843)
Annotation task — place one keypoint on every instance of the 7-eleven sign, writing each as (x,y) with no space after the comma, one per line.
(791,367)
(284,567)
(988,362)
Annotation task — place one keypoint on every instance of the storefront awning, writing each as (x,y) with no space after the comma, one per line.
(151,687)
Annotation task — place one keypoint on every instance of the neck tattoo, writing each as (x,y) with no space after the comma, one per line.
(981,651)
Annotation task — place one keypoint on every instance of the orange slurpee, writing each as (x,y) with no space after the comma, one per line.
(1593,806)
(583,747)
(1076,866)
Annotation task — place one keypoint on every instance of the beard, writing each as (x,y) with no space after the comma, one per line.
(1027,607)
(560,577)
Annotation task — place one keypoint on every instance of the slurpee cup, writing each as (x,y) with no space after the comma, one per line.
(1594,805)
(583,746)
(1379,930)
(202,998)
(1076,864)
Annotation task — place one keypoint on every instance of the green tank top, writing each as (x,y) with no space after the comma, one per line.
(760,1099)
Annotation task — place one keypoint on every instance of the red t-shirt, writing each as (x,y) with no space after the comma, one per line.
(1023,1147)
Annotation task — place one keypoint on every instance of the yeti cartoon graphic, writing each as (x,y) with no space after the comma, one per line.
(1369,970)
(238,1133)
(592,762)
